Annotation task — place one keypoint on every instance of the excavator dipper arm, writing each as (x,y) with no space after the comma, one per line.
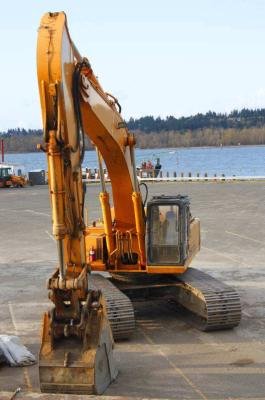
(76,349)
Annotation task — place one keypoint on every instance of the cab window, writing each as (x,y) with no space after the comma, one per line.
(164,234)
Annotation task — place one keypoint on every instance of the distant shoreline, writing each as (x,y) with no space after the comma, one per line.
(154,148)
(211,129)
(206,138)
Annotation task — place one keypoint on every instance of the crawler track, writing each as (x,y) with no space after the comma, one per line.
(212,305)
(119,307)
(217,304)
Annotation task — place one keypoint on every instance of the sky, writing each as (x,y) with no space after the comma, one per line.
(157,57)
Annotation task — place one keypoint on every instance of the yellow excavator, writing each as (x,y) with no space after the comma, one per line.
(145,247)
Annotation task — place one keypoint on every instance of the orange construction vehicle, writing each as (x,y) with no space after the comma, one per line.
(146,247)
(8,179)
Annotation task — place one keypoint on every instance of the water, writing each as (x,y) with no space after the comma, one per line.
(240,160)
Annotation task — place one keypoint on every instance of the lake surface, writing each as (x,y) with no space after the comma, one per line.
(239,160)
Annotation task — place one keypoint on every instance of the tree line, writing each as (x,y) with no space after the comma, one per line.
(201,137)
(20,132)
(235,119)
(245,127)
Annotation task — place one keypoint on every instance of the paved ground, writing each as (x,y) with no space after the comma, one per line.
(166,358)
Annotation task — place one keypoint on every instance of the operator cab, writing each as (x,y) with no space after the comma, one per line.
(5,172)
(168,225)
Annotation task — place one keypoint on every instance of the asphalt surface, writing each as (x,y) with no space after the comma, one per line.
(166,358)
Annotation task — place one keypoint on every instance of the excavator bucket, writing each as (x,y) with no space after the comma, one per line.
(77,358)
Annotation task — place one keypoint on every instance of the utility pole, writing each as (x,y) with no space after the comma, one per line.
(2,150)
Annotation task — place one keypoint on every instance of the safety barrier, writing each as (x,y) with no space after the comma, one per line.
(222,178)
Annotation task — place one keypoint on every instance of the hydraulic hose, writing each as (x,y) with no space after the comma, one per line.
(80,136)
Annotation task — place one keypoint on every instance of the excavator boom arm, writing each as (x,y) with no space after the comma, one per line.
(74,105)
